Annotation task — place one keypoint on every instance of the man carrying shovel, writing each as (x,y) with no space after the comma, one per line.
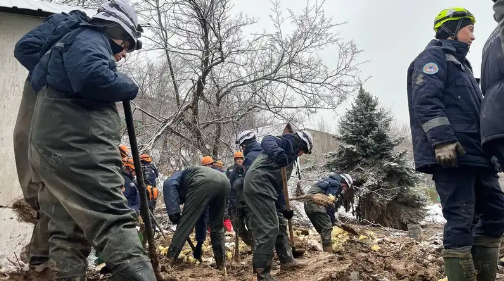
(264,196)
(322,217)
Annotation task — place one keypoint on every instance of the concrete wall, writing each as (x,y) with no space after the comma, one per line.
(12,77)
(14,234)
(324,143)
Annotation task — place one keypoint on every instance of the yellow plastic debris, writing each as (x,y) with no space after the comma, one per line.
(375,247)
(336,231)
(444,279)
(362,237)
(163,250)
(332,197)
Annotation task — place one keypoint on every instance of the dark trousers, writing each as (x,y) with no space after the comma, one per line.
(39,245)
(73,151)
(473,204)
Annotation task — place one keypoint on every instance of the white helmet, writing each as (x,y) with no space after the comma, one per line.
(348,179)
(122,13)
(307,138)
(245,135)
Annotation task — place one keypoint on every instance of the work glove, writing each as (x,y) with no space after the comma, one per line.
(175,218)
(228,226)
(198,250)
(288,214)
(282,160)
(446,154)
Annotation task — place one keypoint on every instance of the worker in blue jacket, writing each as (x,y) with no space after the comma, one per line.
(197,188)
(444,104)
(263,194)
(323,217)
(239,213)
(28,51)
(492,86)
(74,143)
(130,189)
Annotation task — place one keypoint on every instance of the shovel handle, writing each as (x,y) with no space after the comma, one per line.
(287,204)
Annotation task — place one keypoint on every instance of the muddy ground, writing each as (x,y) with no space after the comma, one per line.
(376,254)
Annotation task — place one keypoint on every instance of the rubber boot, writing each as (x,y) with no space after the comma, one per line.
(218,247)
(287,261)
(485,252)
(327,248)
(264,274)
(459,264)
(294,264)
(262,266)
(141,271)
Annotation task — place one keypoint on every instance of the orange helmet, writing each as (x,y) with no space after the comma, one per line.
(238,154)
(207,160)
(129,165)
(146,158)
(219,164)
(124,150)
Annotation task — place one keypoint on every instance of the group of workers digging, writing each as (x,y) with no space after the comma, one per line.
(256,201)
(74,172)
(67,136)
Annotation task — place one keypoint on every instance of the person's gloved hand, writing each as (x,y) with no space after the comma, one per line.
(198,250)
(282,160)
(228,226)
(446,154)
(288,214)
(175,218)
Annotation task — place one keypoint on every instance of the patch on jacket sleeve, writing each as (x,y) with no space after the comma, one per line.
(430,68)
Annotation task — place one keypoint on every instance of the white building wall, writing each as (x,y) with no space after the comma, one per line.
(12,78)
(14,234)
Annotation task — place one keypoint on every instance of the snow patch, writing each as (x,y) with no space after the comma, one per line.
(434,214)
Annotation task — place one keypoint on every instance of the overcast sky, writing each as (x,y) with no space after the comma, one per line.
(391,34)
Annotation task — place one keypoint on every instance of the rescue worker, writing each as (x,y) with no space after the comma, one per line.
(498,8)
(28,51)
(238,161)
(219,166)
(264,197)
(247,140)
(151,174)
(207,161)
(123,149)
(240,215)
(149,170)
(196,188)
(322,217)
(492,86)
(444,104)
(129,188)
(74,146)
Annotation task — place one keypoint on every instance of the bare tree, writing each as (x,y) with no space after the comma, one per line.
(220,76)
(204,78)
(87,4)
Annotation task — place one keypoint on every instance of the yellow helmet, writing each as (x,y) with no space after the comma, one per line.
(452,14)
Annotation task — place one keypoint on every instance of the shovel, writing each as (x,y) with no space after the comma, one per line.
(144,208)
(295,253)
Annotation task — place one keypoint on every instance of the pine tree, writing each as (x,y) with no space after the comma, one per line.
(384,181)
